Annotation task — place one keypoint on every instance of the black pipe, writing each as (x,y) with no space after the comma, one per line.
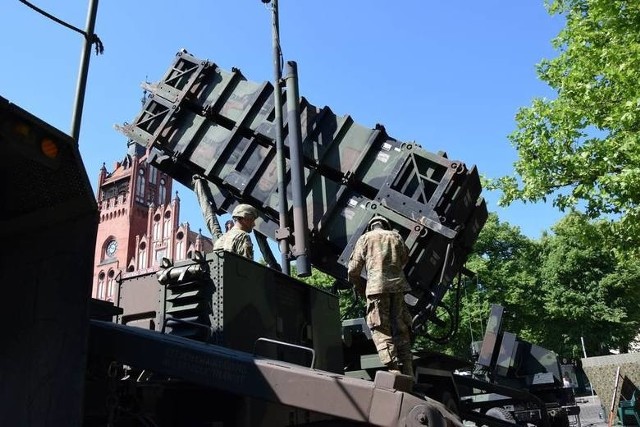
(300,221)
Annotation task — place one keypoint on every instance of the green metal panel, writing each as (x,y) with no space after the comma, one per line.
(252,301)
(234,302)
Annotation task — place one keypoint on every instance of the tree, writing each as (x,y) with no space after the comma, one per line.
(586,291)
(570,278)
(506,262)
(583,147)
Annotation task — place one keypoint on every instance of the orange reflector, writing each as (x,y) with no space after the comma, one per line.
(49,148)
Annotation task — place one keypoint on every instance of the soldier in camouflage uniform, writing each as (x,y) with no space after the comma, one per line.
(383,253)
(237,239)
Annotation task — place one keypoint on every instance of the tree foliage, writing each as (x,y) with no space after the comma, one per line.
(568,285)
(583,147)
(586,291)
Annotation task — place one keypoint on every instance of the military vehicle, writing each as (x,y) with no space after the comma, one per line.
(200,120)
(219,339)
(222,340)
(515,381)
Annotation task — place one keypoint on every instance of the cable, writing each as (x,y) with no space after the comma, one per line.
(94,37)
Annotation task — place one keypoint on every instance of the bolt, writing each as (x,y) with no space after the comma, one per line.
(422,418)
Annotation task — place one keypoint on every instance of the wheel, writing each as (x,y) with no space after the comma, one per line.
(501,414)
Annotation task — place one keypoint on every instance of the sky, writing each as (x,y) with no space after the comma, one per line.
(448,75)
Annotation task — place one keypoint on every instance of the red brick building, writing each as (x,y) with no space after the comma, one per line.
(139,223)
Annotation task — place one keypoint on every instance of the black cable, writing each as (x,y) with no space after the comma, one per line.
(94,37)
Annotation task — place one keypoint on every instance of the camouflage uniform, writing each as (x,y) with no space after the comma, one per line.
(384,255)
(236,241)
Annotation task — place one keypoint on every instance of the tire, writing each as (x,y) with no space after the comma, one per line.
(501,414)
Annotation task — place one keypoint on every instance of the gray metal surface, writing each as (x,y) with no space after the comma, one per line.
(381,402)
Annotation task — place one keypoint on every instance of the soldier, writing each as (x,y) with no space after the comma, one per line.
(237,239)
(383,253)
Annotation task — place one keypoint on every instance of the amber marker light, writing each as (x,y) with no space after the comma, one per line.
(49,148)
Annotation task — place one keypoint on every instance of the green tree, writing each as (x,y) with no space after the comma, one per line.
(586,291)
(506,262)
(583,147)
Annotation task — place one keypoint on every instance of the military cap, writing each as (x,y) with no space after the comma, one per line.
(243,211)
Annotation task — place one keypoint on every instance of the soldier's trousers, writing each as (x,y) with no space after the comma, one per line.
(390,322)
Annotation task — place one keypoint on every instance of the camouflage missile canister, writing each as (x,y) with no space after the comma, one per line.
(200,119)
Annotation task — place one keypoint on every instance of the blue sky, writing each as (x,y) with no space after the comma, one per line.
(448,75)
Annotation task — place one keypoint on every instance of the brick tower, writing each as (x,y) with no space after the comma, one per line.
(139,223)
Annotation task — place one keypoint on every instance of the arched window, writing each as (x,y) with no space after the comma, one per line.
(100,287)
(142,256)
(179,246)
(111,285)
(162,191)
(167,225)
(140,185)
(156,227)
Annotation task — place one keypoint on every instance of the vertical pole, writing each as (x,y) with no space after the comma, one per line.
(84,70)
(584,352)
(612,407)
(283,232)
(300,223)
